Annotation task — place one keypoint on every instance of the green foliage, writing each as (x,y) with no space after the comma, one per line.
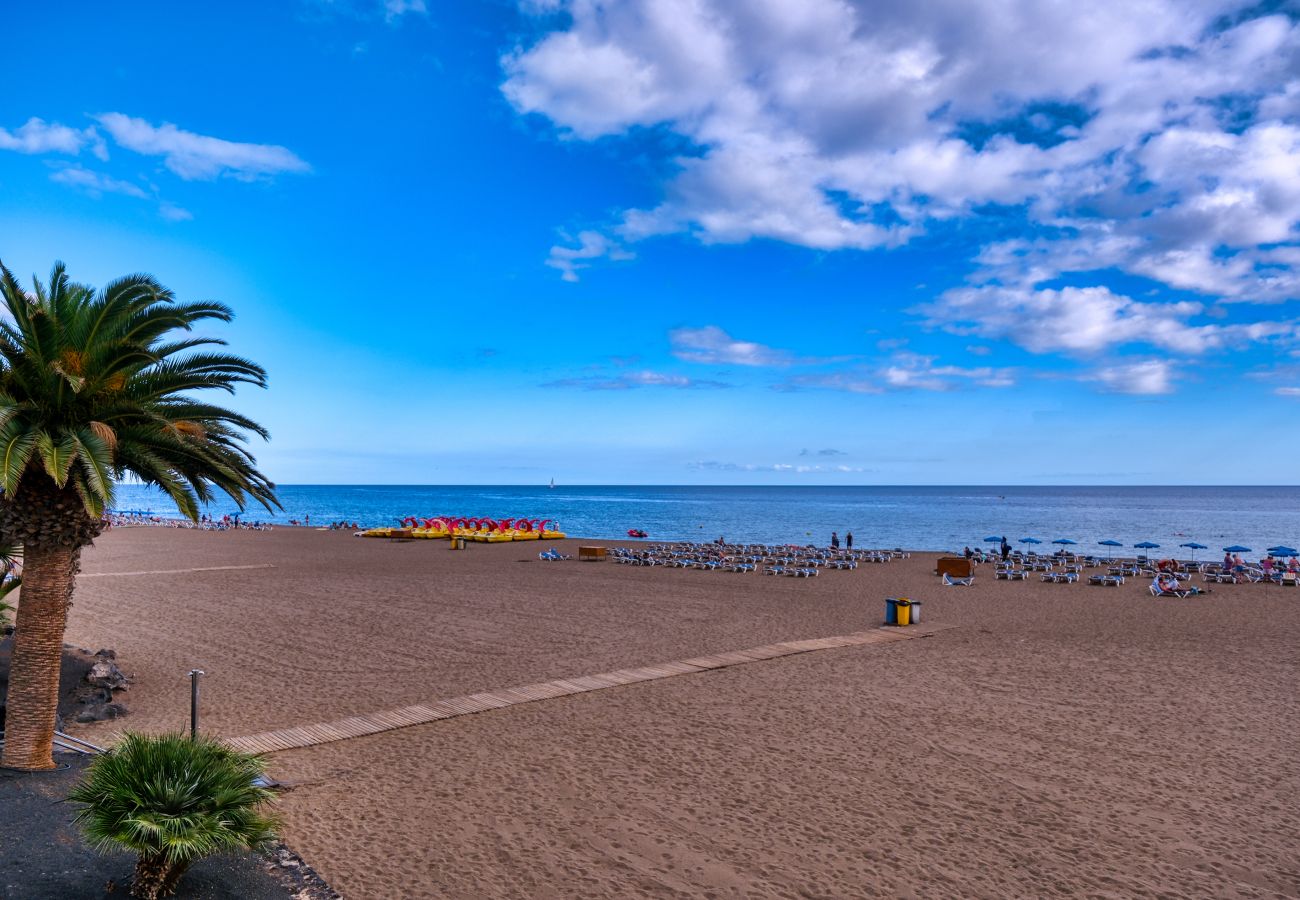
(10,581)
(98,385)
(174,799)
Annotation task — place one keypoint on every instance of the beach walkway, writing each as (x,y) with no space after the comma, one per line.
(419,714)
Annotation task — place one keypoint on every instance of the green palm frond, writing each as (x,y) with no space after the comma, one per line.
(17,441)
(99,385)
(57,456)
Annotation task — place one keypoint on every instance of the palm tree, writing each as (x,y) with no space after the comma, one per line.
(96,386)
(172,801)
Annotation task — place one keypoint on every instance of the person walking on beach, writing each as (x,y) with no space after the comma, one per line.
(835,540)
(848,540)
(1006,548)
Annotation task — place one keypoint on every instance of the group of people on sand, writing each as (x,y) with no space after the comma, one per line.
(1268,565)
(205,522)
(848,540)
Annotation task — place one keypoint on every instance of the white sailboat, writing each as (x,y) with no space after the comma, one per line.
(552,484)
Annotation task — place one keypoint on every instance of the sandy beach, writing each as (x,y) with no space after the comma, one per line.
(1060,740)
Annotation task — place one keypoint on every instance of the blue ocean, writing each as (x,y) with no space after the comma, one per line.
(916,518)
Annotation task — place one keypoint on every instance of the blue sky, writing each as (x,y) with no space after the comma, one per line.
(660,241)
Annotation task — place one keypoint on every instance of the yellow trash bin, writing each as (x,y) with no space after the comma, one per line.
(904,611)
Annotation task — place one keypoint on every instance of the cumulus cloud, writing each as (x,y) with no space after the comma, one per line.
(96,184)
(1089,320)
(591,245)
(625,381)
(719,466)
(903,371)
(1150,376)
(173,213)
(197,157)
(395,9)
(39,136)
(1160,139)
(712,345)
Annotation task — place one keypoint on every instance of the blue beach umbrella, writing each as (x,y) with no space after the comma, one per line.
(1064,541)
(1193,546)
(1236,548)
(993,540)
(1109,545)
(1030,541)
(1147,545)
(1283,551)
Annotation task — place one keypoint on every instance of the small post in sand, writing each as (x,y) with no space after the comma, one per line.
(194,703)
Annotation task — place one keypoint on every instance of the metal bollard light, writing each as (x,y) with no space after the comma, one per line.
(194,702)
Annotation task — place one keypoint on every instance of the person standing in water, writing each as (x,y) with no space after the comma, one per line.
(848,540)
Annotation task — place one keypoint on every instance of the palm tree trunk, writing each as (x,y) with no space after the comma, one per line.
(33,702)
(172,878)
(150,876)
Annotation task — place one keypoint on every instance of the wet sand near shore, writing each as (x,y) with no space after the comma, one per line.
(1062,740)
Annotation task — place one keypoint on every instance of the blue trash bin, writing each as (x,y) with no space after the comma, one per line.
(891,610)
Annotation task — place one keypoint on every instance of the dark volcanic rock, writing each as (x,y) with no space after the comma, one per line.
(87,684)
(106,674)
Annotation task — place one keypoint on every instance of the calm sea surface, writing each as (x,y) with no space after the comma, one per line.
(922,518)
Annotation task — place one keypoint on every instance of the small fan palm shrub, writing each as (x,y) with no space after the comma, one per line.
(172,801)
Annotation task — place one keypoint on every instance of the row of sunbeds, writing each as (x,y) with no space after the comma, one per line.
(789,561)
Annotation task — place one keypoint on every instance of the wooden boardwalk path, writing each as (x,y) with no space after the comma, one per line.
(419,714)
(173,571)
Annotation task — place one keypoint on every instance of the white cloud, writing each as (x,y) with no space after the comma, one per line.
(1089,320)
(96,183)
(173,213)
(1287,391)
(711,345)
(39,136)
(1151,376)
(592,245)
(903,371)
(395,9)
(200,157)
(1151,137)
(624,381)
(713,465)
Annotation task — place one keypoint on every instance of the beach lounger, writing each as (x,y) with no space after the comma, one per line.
(1180,592)
(1106,580)
(949,581)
